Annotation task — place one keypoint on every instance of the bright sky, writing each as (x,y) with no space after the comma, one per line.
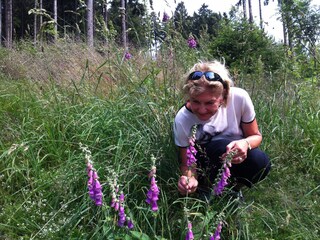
(269,13)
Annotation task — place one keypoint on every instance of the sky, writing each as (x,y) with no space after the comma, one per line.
(269,13)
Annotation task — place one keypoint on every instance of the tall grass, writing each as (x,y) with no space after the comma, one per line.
(123,112)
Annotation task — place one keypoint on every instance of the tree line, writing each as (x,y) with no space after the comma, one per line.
(131,21)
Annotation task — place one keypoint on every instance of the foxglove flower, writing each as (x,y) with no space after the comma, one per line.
(153,195)
(94,186)
(97,190)
(189,235)
(165,17)
(130,223)
(122,216)
(127,56)
(219,187)
(217,233)
(91,184)
(191,150)
(192,43)
(191,159)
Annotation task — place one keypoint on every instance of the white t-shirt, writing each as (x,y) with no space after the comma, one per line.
(225,123)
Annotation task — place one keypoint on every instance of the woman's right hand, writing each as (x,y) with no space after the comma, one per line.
(187,185)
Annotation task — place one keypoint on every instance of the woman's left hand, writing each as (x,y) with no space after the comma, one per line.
(240,147)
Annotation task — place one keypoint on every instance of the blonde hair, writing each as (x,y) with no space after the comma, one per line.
(196,87)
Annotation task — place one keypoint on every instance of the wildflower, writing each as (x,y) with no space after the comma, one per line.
(91,184)
(165,17)
(216,235)
(130,223)
(94,186)
(192,43)
(153,195)
(225,174)
(97,190)
(189,235)
(127,56)
(122,216)
(191,150)
(223,180)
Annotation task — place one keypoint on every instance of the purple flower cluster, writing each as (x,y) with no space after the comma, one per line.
(127,56)
(189,235)
(216,235)
(192,43)
(165,17)
(118,205)
(223,180)
(191,153)
(153,194)
(94,186)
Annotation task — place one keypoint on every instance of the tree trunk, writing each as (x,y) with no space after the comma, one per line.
(260,15)
(8,26)
(244,6)
(105,18)
(40,18)
(55,16)
(0,23)
(124,29)
(90,23)
(250,12)
(35,25)
(105,12)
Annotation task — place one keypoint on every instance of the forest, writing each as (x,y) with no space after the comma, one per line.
(88,94)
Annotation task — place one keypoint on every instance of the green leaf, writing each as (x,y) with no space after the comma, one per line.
(139,236)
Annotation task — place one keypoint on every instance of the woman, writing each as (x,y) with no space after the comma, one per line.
(225,122)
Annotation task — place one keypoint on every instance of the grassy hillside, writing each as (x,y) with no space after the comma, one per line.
(56,101)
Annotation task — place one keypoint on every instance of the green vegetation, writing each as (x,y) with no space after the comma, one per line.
(122,110)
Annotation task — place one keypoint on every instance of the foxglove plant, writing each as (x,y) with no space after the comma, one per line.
(165,17)
(94,186)
(224,175)
(153,192)
(219,187)
(191,150)
(192,43)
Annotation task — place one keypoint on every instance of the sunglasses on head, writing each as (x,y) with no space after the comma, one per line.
(210,76)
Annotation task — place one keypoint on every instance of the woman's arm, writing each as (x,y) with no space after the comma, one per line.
(252,139)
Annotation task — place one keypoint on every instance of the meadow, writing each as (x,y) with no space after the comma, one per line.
(56,102)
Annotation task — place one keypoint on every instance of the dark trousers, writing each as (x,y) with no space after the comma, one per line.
(252,170)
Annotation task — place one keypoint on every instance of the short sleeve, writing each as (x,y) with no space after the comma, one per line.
(248,112)
(181,134)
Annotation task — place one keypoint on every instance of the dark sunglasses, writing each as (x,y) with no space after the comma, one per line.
(210,76)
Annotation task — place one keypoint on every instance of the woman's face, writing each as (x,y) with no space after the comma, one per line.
(205,105)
